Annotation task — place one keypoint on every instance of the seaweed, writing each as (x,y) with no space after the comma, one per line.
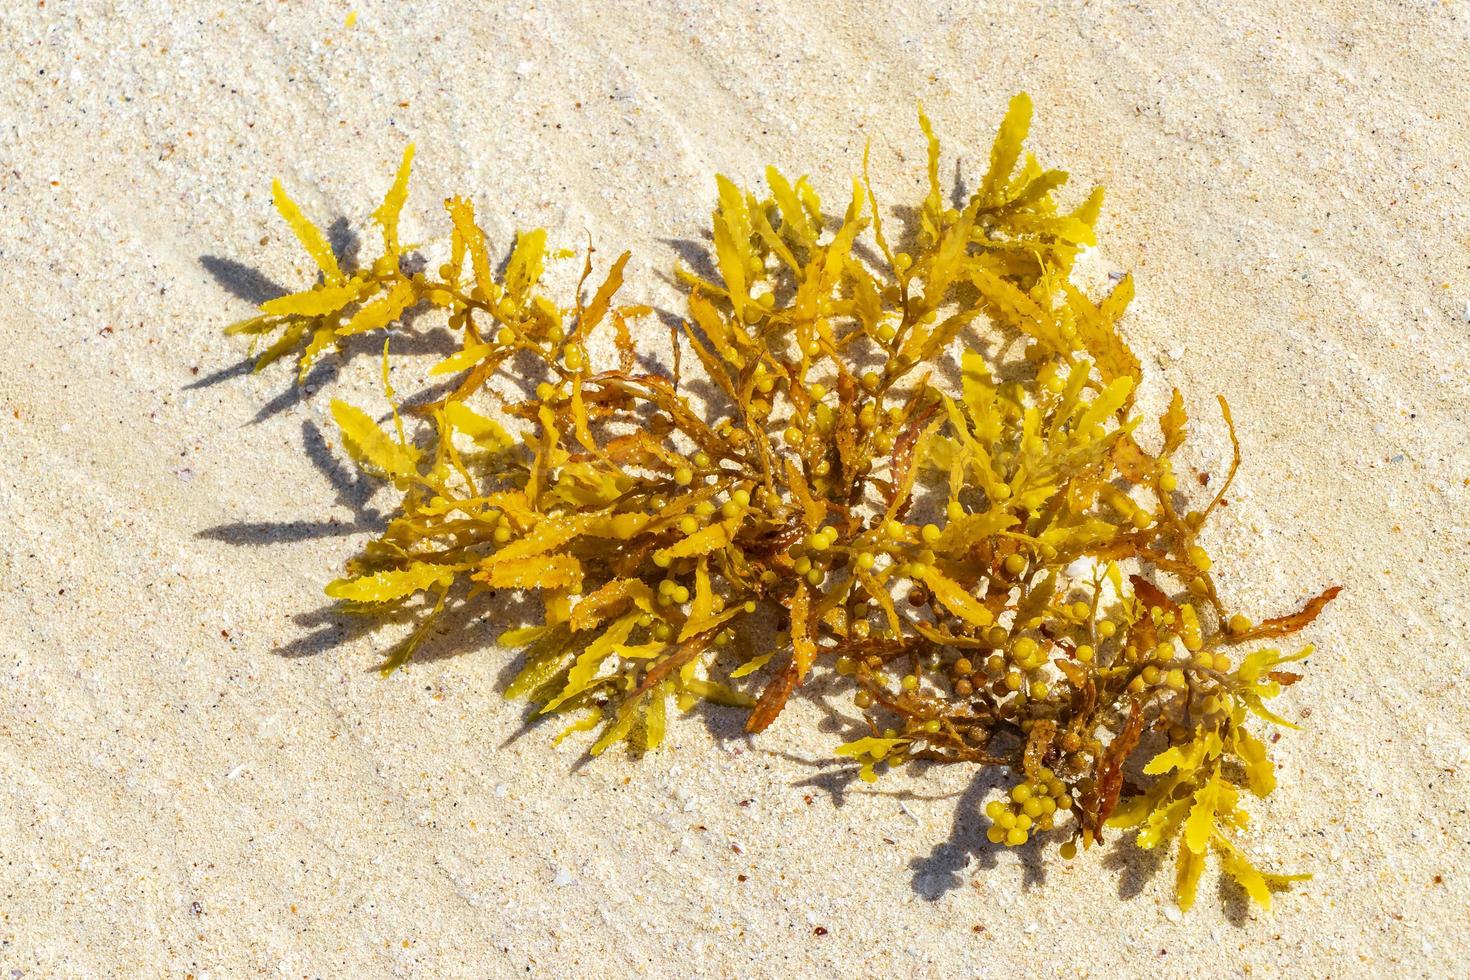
(989,559)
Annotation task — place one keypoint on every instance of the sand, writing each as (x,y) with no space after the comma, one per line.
(201,775)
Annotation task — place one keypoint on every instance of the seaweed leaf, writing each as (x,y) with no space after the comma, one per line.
(371,447)
(321,301)
(308,234)
(387,213)
(1006,150)
(392,583)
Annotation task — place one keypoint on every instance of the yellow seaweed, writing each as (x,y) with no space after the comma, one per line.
(990,565)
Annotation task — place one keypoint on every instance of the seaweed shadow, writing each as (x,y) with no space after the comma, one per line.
(241,280)
(459,629)
(351,489)
(697,255)
(1135,867)
(944,868)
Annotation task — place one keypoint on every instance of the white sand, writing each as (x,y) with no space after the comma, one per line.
(178,797)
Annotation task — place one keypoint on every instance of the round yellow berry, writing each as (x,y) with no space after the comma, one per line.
(1198,557)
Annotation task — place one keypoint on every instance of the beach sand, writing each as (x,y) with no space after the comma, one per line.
(200,772)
